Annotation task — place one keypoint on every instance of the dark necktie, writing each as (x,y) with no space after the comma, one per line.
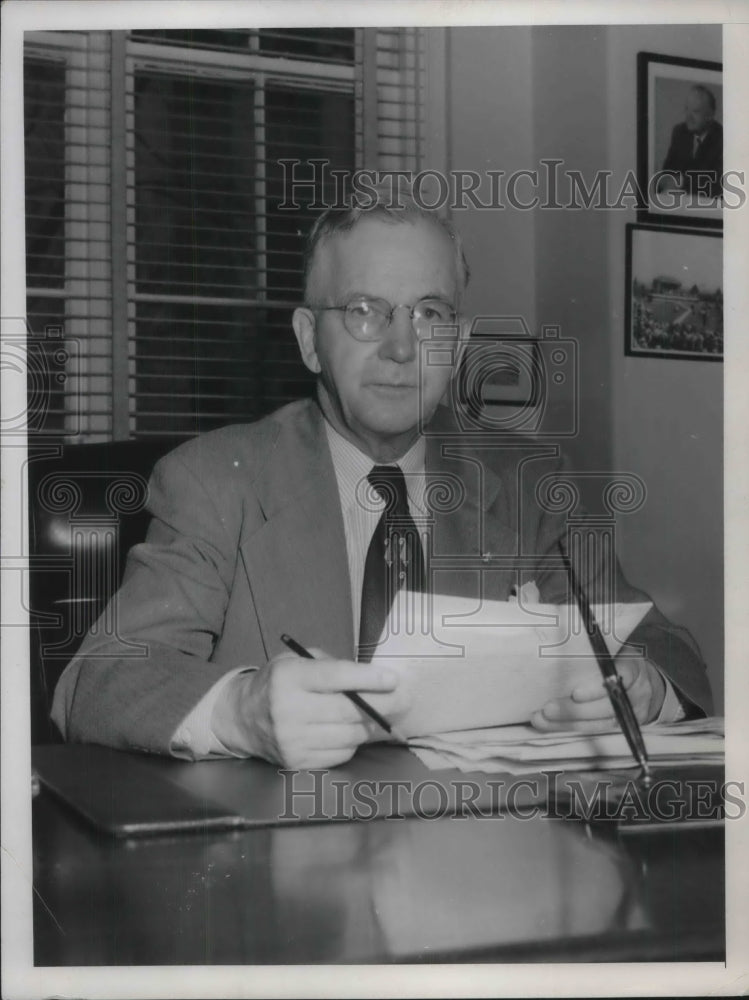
(395,557)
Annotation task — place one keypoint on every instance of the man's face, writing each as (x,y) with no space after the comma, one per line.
(375,393)
(697,112)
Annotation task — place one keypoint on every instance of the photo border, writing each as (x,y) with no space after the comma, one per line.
(657,979)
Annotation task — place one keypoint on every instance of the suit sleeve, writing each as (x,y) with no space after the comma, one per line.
(669,647)
(146,663)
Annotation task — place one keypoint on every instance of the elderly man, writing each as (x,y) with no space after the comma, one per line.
(270,528)
(695,154)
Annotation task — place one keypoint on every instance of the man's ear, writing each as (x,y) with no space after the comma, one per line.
(303,322)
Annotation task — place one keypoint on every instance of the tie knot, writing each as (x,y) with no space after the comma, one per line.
(390,484)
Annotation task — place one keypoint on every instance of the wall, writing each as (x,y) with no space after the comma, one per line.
(569,112)
(517,95)
(491,128)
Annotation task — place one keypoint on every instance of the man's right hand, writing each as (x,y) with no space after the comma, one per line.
(292,711)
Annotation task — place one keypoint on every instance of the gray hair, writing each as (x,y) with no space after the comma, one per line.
(381,201)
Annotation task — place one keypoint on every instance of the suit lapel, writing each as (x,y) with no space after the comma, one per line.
(296,561)
(472,522)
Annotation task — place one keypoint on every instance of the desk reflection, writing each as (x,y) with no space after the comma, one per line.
(450,885)
(340,892)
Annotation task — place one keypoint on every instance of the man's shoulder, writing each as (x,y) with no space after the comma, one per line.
(248,446)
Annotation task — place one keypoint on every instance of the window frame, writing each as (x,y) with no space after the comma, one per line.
(104,369)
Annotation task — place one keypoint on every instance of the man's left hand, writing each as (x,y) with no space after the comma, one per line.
(588,707)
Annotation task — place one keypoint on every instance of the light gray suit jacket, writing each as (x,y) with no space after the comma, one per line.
(247,542)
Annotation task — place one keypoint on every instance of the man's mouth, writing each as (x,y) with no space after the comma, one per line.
(392,385)
(394,392)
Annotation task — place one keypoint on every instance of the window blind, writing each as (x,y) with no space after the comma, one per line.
(68,253)
(164,257)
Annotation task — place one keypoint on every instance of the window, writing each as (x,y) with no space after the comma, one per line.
(163,258)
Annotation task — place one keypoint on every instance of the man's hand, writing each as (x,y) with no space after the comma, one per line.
(292,710)
(588,708)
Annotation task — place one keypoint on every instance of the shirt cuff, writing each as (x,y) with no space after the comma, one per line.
(671,710)
(193,739)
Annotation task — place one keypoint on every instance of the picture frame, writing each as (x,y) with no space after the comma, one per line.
(500,365)
(668,316)
(680,176)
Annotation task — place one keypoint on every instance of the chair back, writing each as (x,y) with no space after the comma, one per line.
(87,508)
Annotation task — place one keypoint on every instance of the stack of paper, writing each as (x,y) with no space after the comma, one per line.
(524,750)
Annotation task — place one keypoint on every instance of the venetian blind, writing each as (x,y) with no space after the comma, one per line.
(171,177)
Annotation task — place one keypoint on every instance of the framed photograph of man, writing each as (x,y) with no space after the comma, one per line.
(680,171)
(674,293)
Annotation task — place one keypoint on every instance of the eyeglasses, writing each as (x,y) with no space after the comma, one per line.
(368,319)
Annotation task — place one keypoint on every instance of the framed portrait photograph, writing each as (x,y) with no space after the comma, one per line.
(674,293)
(680,171)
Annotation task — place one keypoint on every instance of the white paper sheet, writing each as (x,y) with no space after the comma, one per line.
(468,664)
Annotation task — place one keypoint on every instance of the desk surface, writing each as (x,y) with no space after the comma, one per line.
(498,888)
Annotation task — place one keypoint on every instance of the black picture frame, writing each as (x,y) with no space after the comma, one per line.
(666,317)
(663,141)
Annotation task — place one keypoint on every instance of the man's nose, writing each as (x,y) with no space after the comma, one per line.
(399,341)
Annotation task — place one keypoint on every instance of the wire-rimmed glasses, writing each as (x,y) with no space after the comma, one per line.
(369,318)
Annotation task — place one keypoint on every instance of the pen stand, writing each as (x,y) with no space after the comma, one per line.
(684,797)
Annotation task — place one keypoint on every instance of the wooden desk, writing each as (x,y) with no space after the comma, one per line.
(500,888)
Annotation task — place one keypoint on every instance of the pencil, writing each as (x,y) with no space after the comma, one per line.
(352,696)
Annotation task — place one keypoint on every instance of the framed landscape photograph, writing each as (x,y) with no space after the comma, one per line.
(680,170)
(674,293)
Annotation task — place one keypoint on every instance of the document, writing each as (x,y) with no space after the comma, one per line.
(468,664)
(523,750)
